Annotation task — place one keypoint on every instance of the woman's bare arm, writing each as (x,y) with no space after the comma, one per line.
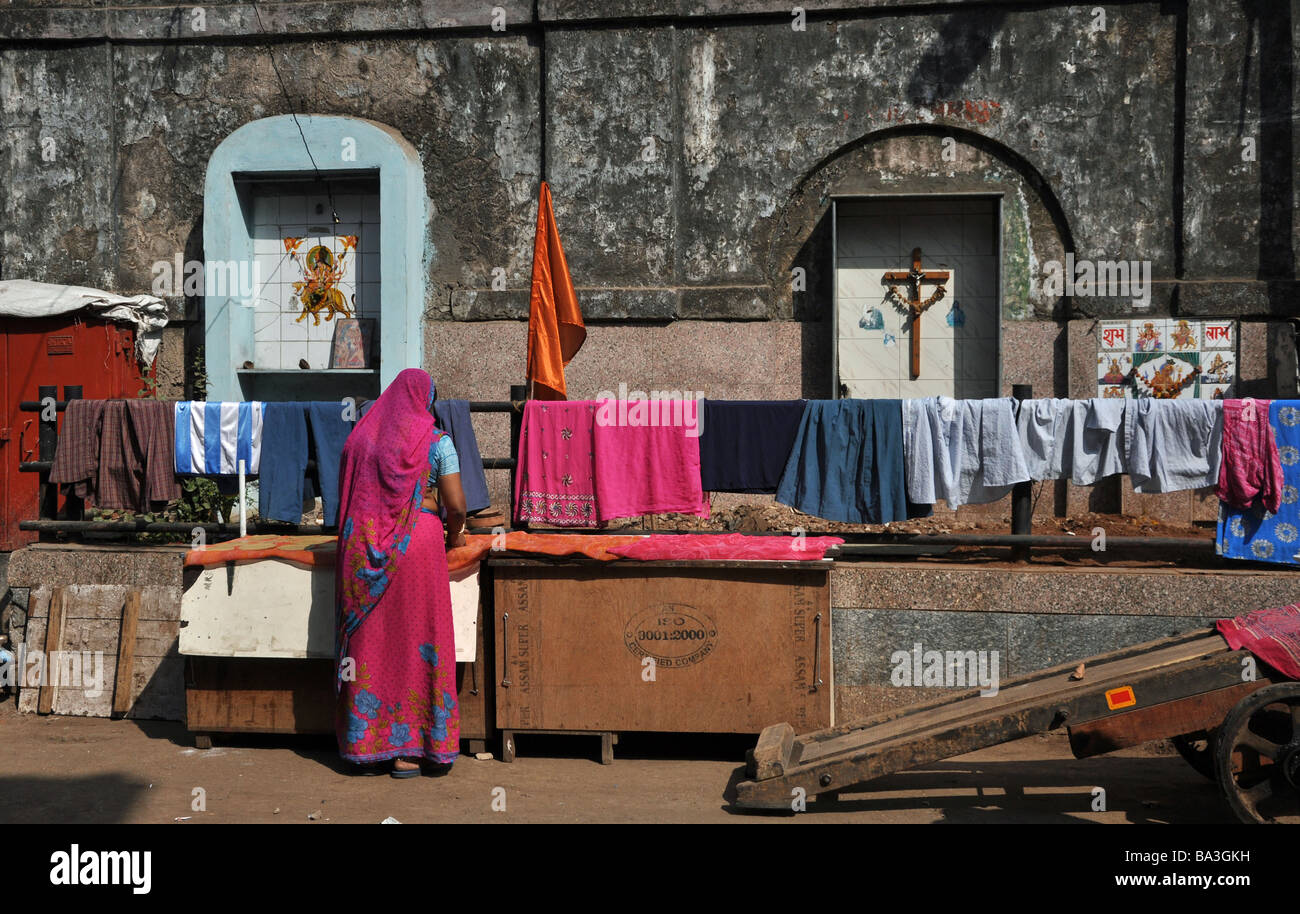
(452,497)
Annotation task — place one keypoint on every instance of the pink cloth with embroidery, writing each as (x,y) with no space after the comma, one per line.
(1272,635)
(735,546)
(648,469)
(1251,467)
(554,482)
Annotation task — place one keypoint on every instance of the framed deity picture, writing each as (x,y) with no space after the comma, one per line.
(352,342)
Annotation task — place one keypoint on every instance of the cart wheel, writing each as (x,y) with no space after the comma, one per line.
(1257,754)
(1197,749)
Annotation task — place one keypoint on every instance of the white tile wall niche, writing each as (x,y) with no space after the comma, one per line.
(959,333)
(279,211)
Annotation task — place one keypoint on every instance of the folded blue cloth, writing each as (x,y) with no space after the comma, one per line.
(745,444)
(453,418)
(847,463)
(284,461)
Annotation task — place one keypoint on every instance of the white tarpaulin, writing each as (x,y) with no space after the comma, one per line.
(147,313)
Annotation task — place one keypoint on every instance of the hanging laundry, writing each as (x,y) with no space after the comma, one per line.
(153,425)
(1254,533)
(963,451)
(648,469)
(282,481)
(76,461)
(211,438)
(329,432)
(281,474)
(1171,445)
(1079,440)
(847,463)
(555,478)
(1250,467)
(745,443)
(454,419)
(116,454)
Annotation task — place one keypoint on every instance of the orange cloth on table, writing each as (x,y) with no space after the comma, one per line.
(323,550)
(305,550)
(555,328)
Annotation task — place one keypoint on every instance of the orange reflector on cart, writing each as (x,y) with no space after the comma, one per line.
(1122,697)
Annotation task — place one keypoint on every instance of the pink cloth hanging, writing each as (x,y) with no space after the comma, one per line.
(554,482)
(648,469)
(1251,467)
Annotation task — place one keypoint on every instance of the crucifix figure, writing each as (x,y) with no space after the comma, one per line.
(915,306)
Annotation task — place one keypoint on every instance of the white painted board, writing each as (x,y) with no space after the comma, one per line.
(272,608)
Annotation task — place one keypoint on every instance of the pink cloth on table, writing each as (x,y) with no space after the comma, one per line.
(1272,635)
(727,546)
(648,469)
(1251,467)
(554,482)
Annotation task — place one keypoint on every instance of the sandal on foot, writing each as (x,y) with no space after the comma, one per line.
(405,772)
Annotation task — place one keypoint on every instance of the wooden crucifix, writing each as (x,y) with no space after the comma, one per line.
(915,306)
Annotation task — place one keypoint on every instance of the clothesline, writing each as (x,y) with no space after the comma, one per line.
(850,460)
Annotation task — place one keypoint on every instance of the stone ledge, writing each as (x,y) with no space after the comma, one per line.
(1056,590)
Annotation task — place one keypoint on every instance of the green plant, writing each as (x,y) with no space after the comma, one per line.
(200,501)
(199,373)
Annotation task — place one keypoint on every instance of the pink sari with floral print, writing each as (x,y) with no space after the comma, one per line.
(397,655)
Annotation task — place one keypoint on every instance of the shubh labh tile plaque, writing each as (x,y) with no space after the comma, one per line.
(1159,357)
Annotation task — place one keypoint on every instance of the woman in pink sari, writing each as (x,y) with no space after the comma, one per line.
(396,672)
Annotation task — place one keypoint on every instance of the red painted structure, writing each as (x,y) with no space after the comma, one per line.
(61,352)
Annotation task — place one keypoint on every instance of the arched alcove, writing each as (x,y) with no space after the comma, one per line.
(925,163)
(342,150)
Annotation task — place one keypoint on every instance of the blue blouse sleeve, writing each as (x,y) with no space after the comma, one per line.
(445,461)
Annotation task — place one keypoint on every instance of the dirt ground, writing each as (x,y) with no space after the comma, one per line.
(89,770)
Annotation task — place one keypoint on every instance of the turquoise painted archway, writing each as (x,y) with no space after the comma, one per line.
(273,147)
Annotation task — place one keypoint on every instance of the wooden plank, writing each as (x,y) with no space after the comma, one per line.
(126,653)
(631,648)
(1162,721)
(260,696)
(53,628)
(772,754)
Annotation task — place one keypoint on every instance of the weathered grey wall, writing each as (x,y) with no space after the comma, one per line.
(693,146)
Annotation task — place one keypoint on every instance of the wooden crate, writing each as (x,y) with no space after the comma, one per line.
(243,695)
(658,646)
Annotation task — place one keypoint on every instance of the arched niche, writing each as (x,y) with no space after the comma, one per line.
(342,148)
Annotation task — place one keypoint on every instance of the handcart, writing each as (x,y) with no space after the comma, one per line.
(1230,717)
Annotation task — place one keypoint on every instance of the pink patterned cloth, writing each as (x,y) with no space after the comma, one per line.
(727,546)
(1272,635)
(647,469)
(1251,467)
(397,697)
(554,482)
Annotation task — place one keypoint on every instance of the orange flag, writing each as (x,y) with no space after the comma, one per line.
(555,328)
